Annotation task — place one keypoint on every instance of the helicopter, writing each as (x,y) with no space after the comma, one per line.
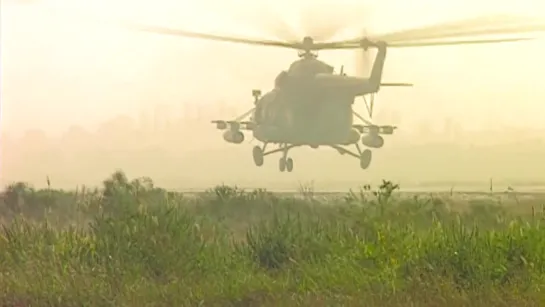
(312,105)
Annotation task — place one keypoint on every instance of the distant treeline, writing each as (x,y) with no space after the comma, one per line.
(191,155)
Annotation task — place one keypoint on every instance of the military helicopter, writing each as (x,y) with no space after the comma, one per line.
(312,105)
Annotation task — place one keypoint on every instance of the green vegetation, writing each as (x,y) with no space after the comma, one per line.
(132,244)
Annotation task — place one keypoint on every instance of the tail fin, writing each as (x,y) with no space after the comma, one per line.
(376,72)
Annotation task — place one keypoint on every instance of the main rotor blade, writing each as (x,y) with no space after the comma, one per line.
(398,39)
(448,43)
(460,26)
(183,33)
(482,32)
(429,43)
(469,27)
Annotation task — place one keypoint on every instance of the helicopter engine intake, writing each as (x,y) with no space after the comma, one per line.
(235,137)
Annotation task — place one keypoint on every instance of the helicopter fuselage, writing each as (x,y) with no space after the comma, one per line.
(310,105)
(304,117)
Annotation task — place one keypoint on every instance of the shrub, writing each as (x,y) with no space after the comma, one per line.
(135,244)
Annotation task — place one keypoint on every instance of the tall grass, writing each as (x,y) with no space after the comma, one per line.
(132,244)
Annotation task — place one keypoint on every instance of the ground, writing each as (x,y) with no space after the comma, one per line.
(133,244)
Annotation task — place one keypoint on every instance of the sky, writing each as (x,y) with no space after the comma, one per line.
(63,63)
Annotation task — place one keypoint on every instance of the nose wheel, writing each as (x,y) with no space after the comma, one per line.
(285,164)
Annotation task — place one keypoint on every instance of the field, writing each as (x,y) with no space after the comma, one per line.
(132,244)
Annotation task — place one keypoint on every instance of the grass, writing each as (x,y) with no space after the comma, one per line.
(132,244)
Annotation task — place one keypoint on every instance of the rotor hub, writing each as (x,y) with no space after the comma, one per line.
(308,43)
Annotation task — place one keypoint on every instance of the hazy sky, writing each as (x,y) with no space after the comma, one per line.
(61,65)
(59,68)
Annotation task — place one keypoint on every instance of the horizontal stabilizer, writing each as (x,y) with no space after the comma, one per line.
(396,84)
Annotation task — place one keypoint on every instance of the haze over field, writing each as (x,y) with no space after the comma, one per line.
(60,71)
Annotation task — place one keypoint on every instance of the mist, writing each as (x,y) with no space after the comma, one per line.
(81,98)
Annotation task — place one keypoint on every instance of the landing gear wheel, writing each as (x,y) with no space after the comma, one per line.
(282,164)
(289,165)
(258,156)
(365,158)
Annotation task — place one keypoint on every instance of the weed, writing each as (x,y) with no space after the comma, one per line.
(130,243)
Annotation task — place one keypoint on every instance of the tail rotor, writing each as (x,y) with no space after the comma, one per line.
(363,61)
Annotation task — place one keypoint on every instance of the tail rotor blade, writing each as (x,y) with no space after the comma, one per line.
(363,61)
